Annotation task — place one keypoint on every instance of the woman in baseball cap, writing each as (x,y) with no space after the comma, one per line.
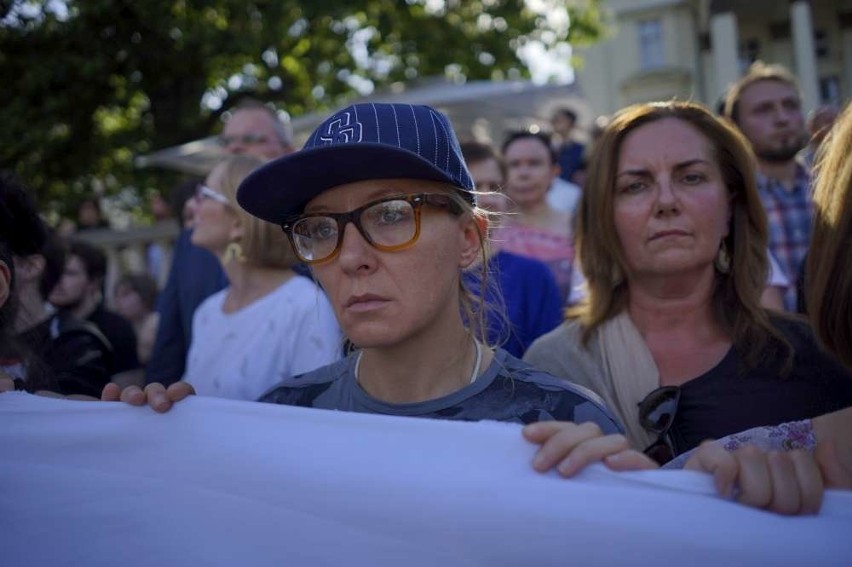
(381,207)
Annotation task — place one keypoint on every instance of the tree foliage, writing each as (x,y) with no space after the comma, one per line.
(91,83)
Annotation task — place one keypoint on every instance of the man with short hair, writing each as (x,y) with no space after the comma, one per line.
(254,129)
(78,296)
(766,105)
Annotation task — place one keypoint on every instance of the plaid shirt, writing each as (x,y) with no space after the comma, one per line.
(790,214)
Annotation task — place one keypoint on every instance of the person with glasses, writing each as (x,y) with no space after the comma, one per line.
(269,323)
(672,239)
(380,205)
(255,129)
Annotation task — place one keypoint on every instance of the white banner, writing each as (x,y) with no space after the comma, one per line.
(217,482)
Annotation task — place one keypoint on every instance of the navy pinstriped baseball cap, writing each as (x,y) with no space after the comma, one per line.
(362,141)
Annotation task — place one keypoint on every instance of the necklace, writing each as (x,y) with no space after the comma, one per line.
(473,375)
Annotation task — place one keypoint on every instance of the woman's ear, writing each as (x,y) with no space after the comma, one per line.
(474,228)
(237,231)
(5,283)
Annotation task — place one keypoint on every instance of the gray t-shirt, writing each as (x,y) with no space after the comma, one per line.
(509,390)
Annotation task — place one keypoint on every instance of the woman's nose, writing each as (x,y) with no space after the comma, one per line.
(355,251)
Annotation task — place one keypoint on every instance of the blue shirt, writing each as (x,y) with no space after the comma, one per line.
(509,390)
(524,298)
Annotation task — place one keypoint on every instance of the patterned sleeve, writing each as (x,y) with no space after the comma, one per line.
(784,437)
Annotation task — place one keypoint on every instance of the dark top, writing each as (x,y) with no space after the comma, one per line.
(74,357)
(569,156)
(527,293)
(195,275)
(711,406)
(508,390)
(121,335)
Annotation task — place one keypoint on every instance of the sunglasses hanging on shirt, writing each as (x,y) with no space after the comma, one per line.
(656,415)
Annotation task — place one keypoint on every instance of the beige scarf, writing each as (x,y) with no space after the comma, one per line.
(631,371)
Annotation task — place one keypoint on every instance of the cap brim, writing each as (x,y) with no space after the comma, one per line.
(280,189)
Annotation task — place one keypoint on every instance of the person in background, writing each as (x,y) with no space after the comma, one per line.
(533,227)
(90,216)
(42,349)
(254,129)
(269,323)
(78,296)
(161,211)
(820,121)
(766,106)
(569,152)
(134,298)
(524,289)
(673,245)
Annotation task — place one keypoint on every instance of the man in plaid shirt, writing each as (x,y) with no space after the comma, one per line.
(766,105)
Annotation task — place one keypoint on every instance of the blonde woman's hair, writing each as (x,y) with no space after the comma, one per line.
(264,244)
(737,293)
(828,277)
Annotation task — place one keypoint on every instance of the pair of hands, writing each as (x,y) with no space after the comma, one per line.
(789,482)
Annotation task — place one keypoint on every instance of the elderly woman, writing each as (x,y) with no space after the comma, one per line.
(269,323)
(672,335)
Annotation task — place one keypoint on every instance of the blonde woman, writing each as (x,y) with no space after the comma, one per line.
(269,323)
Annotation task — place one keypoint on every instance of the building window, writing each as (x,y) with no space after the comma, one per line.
(651,48)
(821,43)
(749,53)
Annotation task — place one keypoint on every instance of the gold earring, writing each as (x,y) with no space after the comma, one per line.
(723,259)
(234,251)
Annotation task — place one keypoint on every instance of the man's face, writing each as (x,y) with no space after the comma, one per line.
(74,286)
(770,116)
(252,131)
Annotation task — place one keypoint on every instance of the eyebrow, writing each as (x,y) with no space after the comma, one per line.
(380,193)
(678,166)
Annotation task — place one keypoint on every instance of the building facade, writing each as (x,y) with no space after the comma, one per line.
(694,49)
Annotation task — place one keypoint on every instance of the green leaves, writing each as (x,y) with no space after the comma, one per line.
(91,83)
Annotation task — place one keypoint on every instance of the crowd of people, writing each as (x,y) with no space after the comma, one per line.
(626,301)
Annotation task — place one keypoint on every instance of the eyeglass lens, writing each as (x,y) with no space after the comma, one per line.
(385,224)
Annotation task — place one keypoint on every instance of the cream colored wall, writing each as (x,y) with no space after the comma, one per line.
(611,77)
